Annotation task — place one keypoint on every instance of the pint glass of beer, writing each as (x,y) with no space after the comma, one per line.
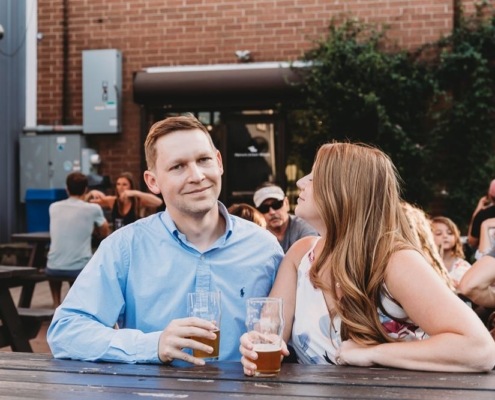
(265,324)
(206,305)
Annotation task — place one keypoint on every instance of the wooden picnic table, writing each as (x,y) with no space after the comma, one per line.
(40,241)
(26,376)
(12,331)
(37,259)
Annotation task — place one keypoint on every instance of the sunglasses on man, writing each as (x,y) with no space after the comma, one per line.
(276,205)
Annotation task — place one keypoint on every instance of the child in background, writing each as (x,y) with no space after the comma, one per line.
(420,224)
(448,239)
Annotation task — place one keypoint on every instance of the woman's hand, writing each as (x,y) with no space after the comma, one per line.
(351,353)
(249,355)
(94,196)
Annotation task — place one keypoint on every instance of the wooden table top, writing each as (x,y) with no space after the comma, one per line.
(8,271)
(27,375)
(31,237)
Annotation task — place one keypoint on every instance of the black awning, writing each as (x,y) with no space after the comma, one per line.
(222,85)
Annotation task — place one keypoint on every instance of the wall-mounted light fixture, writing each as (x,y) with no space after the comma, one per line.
(1,32)
(243,55)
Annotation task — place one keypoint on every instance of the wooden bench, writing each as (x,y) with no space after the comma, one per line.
(29,282)
(15,253)
(33,318)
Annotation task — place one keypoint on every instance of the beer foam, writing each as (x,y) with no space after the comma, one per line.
(266,347)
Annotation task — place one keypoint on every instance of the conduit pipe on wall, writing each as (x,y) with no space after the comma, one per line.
(53,129)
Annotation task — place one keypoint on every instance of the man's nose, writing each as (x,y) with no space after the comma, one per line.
(196,173)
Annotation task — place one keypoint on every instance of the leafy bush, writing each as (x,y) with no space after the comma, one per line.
(431,110)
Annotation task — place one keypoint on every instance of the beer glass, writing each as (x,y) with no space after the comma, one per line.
(206,305)
(265,324)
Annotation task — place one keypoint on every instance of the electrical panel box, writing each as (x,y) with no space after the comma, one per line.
(46,160)
(102,91)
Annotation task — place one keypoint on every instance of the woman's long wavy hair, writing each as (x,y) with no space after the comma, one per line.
(357,194)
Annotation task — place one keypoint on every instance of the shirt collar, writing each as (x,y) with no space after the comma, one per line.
(171,227)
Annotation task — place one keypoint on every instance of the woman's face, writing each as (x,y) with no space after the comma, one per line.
(306,206)
(122,185)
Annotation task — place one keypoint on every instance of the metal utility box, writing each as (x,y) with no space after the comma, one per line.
(46,160)
(102,91)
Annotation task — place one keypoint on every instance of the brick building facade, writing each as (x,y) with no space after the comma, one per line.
(196,32)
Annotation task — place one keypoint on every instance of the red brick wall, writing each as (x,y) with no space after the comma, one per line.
(181,32)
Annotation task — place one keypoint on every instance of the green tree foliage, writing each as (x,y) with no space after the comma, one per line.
(431,110)
(464,124)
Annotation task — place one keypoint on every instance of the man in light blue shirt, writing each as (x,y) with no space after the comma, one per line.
(140,275)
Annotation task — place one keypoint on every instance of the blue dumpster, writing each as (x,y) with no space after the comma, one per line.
(37,203)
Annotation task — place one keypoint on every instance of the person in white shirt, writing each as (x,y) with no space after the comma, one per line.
(72,224)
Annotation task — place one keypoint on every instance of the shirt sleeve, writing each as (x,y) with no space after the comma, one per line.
(83,329)
(99,216)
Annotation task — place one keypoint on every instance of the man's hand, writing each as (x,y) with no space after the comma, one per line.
(178,336)
(484,202)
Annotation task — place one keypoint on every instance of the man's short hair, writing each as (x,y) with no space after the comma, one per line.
(168,125)
(77,183)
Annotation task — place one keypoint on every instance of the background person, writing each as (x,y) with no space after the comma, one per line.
(363,294)
(420,224)
(478,283)
(245,211)
(487,238)
(140,275)
(72,223)
(271,201)
(448,239)
(484,209)
(127,204)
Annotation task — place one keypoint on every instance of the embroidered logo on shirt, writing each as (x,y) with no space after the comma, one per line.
(242,292)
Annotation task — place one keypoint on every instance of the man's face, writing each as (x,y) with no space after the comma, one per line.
(187,173)
(277,212)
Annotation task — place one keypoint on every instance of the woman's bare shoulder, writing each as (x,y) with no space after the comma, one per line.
(300,248)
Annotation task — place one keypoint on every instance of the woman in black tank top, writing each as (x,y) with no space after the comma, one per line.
(126,204)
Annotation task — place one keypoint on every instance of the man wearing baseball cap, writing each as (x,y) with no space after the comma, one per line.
(271,201)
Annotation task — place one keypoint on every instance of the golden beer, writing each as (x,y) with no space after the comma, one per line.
(269,359)
(215,343)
